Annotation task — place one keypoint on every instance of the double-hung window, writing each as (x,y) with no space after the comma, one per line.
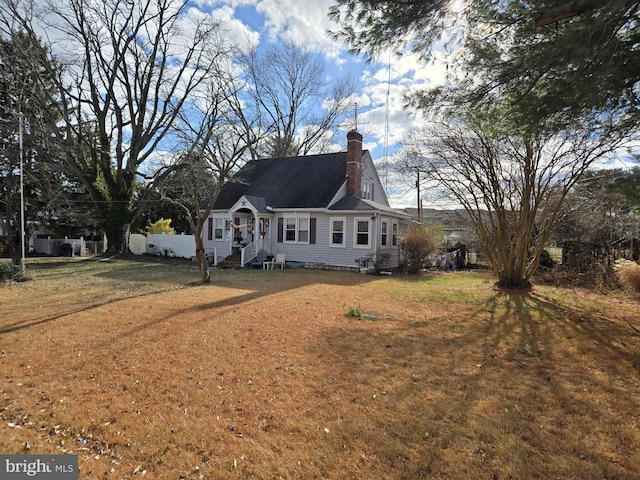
(383,233)
(296,229)
(303,230)
(362,233)
(218,229)
(394,234)
(338,237)
(290,229)
(367,190)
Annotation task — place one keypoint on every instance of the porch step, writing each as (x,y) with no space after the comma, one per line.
(232,261)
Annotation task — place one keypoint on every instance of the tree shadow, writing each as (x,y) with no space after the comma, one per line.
(477,381)
(251,285)
(20,325)
(261,284)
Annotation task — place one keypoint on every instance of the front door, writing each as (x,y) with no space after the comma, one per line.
(263,234)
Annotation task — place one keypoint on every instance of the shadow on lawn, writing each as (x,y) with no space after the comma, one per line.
(56,267)
(12,327)
(254,285)
(537,321)
(508,391)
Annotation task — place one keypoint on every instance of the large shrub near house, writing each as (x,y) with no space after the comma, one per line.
(417,245)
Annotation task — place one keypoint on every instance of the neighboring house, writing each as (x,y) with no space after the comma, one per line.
(453,223)
(320,210)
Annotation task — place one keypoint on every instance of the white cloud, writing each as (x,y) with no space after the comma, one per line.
(303,22)
(236,31)
(229,3)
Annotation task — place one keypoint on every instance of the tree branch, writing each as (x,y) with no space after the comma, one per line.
(568,10)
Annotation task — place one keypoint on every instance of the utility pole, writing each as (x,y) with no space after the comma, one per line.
(418,189)
(22,249)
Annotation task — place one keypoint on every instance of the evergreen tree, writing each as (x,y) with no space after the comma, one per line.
(573,63)
(27,97)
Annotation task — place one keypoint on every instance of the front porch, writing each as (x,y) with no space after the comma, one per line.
(247,231)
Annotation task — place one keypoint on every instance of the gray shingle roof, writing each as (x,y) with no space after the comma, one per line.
(295,182)
(354,203)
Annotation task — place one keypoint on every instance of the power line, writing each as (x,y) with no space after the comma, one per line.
(386,127)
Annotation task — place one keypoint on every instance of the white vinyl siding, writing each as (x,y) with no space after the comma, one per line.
(320,249)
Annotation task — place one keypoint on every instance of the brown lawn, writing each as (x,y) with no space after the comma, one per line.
(316,375)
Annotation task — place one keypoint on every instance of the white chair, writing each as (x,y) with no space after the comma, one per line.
(279,261)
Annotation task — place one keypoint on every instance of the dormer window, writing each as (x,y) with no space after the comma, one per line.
(367,190)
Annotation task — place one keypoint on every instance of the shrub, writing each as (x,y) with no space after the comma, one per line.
(161,226)
(628,274)
(417,245)
(10,271)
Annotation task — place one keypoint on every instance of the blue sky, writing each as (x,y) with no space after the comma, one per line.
(381,83)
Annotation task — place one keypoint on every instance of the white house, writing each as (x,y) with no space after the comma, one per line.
(320,210)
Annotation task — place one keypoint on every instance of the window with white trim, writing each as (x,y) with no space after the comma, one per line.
(367,189)
(218,228)
(296,229)
(303,230)
(290,229)
(362,233)
(384,233)
(394,233)
(338,237)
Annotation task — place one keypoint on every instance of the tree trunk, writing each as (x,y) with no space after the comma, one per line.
(201,255)
(203,264)
(513,280)
(117,229)
(12,250)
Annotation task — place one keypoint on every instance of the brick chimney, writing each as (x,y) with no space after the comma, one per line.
(354,163)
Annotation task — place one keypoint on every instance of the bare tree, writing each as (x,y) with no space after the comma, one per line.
(131,66)
(216,138)
(291,101)
(511,187)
